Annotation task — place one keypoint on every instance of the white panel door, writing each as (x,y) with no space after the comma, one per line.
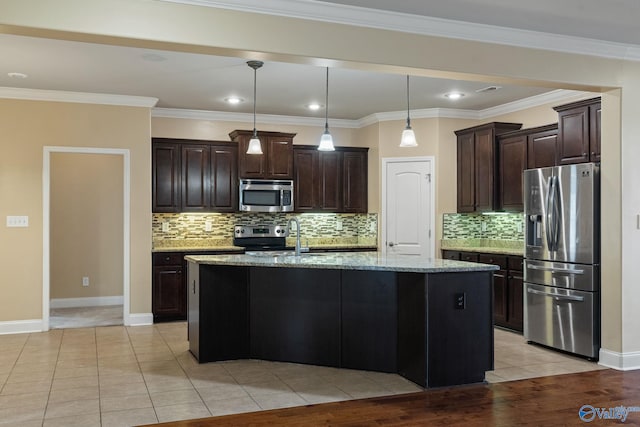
(408,207)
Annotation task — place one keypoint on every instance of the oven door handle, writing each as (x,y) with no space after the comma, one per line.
(555,296)
(555,270)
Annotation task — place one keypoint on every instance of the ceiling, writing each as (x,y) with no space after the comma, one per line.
(202,82)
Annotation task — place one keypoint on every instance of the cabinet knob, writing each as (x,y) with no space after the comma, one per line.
(167,258)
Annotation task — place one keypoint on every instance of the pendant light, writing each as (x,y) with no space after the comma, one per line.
(408,137)
(326,141)
(254,142)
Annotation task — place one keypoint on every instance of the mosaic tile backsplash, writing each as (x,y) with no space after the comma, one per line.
(496,227)
(188,229)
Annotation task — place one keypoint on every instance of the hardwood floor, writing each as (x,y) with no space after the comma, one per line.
(554,400)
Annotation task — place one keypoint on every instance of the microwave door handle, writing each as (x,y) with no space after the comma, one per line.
(547,224)
(555,296)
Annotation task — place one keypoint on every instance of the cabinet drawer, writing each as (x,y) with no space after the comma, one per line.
(455,255)
(515,263)
(499,260)
(469,256)
(168,258)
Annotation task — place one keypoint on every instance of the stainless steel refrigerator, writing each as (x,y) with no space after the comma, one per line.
(562,258)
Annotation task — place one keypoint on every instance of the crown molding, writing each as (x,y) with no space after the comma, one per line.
(424,25)
(561,96)
(77,97)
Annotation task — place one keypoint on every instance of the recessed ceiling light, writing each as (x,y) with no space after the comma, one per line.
(234,100)
(454,95)
(314,106)
(17,75)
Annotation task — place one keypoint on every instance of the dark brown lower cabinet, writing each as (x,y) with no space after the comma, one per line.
(507,285)
(168,297)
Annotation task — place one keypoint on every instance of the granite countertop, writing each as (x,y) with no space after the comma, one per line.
(345,261)
(489,246)
(224,248)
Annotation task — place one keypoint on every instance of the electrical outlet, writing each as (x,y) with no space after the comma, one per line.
(165,227)
(208,226)
(372,227)
(85,281)
(483,226)
(339,225)
(460,301)
(519,227)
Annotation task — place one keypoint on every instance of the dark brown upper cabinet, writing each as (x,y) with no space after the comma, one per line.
(165,180)
(520,150)
(330,181)
(194,175)
(276,162)
(477,170)
(579,131)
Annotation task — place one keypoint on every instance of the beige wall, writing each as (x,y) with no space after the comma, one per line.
(86,224)
(209,30)
(28,126)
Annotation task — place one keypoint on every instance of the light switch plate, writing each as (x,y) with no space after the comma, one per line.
(17,221)
(165,227)
(208,226)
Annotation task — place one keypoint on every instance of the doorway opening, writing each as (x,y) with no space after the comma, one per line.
(86,237)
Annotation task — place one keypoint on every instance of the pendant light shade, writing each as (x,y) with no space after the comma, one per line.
(254,142)
(326,141)
(408,136)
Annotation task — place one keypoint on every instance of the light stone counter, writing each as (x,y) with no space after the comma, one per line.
(375,261)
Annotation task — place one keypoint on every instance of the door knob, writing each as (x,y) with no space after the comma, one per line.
(390,244)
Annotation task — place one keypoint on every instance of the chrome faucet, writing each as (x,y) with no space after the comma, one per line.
(297,221)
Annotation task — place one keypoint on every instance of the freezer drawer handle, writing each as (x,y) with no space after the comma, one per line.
(555,270)
(557,297)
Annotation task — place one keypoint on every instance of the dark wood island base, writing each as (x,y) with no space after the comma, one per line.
(434,329)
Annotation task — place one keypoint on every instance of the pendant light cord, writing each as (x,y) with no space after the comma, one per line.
(255,72)
(326,105)
(408,119)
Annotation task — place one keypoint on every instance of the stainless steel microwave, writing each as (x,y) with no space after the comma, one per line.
(263,195)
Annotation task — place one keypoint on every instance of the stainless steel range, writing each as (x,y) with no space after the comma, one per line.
(260,237)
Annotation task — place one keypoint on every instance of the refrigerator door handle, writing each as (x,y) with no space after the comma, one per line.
(555,270)
(557,217)
(555,296)
(547,224)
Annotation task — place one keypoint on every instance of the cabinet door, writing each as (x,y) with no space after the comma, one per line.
(330,168)
(513,161)
(165,161)
(354,176)
(195,178)
(169,293)
(306,180)
(542,149)
(500,298)
(573,136)
(279,158)
(484,170)
(223,183)
(594,131)
(466,173)
(515,301)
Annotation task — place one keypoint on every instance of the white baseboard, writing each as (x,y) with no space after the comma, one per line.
(21,326)
(620,361)
(86,302)
(139,319)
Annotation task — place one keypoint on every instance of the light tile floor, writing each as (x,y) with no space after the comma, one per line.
(121,376)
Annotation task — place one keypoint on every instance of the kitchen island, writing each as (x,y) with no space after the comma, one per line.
(429,320)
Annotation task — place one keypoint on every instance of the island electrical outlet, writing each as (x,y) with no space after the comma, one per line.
(461,301)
